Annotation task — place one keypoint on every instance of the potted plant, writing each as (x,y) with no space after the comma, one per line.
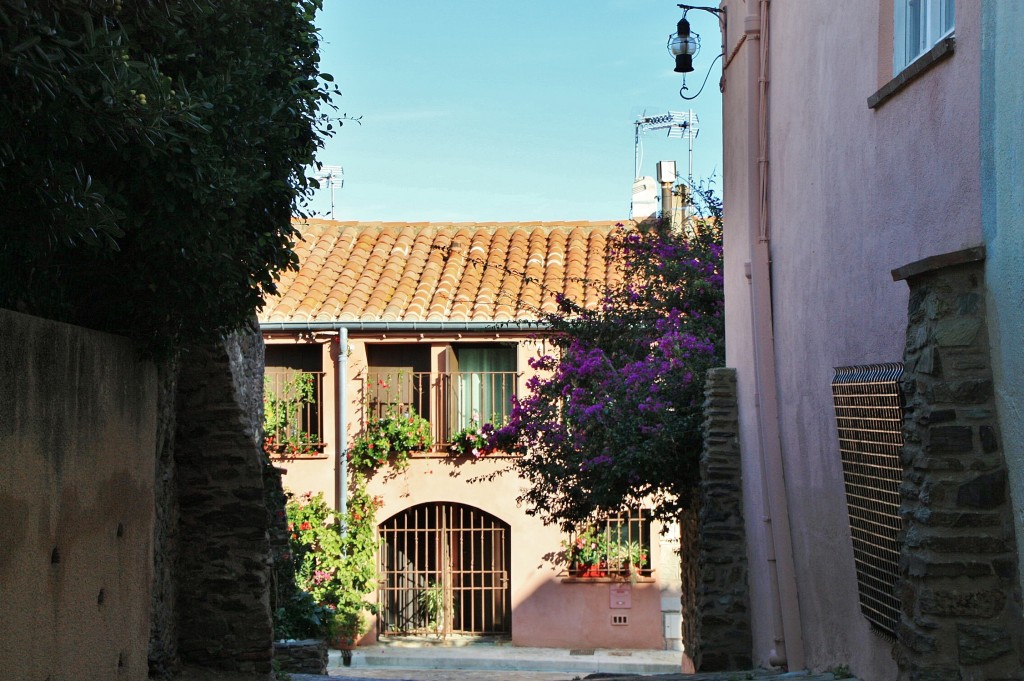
(587,554)
(473,440)
(390,437)
(629,557)
(348,623)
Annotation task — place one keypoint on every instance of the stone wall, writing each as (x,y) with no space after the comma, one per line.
(724,633)
(163,627)
(308,656)
(223,566)
(961,606)
(77,432)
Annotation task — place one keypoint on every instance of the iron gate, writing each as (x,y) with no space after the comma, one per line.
(445,570)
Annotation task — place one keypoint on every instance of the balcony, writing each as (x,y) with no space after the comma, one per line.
(449,401)
(292,418)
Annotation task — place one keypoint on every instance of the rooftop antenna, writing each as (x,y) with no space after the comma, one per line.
(334,176)
(678,123)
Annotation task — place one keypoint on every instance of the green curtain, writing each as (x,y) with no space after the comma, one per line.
(486,383)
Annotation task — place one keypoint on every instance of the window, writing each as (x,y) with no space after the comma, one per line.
(483,381)
(919,25)
(616,546)
(292,394)
(398,380)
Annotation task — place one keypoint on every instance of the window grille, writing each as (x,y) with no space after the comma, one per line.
(617,544)
(292,422)
(869,416)
(445,569)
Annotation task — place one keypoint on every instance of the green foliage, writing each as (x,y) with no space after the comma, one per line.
(336,562)
(598,545)
(151,155)
(302,617)
(430,602)
(589,547)
(473,440)
(390,437)
(282,415)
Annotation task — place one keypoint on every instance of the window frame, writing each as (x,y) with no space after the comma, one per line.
(627,524)
(935,26)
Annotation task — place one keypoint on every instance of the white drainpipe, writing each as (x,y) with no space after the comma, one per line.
(341,376)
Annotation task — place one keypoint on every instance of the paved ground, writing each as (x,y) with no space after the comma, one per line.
(508,663)
(484,675)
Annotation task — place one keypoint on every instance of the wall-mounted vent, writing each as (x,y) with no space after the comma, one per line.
(869,416)
(620,620)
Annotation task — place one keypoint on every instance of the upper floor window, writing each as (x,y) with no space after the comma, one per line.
(919,25)
(292,395)
(483,381)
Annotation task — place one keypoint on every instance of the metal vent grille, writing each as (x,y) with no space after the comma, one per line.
(869,416)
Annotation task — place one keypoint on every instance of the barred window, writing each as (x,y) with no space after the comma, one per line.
(614,546)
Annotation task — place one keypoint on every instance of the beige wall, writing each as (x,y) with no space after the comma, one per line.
(77,461)
(547,610)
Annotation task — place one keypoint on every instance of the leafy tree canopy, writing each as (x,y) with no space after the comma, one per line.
(151,157)
(614,418)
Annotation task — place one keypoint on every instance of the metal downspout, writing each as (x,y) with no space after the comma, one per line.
(786,632)
(341,375)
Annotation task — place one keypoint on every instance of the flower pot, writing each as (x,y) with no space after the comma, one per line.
(345,642)
(592,571)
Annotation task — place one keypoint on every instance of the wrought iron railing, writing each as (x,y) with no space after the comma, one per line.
(292,419)
(450,401)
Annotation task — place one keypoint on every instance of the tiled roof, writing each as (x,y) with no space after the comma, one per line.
(461,272)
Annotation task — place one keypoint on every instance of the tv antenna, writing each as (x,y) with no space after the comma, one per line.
(334,177)
(678,123)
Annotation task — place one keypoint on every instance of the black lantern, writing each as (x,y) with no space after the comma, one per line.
(683,45)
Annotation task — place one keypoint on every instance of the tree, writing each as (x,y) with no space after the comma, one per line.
(615,416)
(151,155)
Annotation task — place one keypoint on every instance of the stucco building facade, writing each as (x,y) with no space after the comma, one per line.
(872,237)
(441,321)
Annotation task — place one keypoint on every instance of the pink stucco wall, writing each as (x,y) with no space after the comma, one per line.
(547,609)
(853,193)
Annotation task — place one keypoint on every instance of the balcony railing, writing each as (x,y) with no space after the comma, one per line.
(292,418)
(449,401)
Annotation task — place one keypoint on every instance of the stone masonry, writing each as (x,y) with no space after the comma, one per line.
(723,599)
(223,568)
(961,608)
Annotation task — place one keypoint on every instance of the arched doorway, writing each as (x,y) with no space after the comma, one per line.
(445,570)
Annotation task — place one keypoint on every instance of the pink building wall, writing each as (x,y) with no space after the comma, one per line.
(547,609)
(853,193)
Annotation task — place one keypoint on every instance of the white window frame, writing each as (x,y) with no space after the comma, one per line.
(919,25)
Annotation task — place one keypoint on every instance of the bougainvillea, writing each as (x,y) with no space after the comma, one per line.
(614,417)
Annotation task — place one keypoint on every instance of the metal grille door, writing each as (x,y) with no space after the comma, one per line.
(869,415)
(445,570)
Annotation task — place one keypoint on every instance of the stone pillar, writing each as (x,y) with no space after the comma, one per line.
(961,606)
(223,569)
(725,641)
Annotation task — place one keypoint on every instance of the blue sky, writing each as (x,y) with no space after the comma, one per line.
(512,111)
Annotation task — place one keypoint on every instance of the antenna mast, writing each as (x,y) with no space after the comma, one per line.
(335,179)
(678,123)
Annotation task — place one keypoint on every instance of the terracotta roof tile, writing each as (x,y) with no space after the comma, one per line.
(373,271)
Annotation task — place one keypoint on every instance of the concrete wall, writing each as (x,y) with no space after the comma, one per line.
(77,437)
(1002,179)
(852,193)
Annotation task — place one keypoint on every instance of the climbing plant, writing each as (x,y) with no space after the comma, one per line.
(613,418)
